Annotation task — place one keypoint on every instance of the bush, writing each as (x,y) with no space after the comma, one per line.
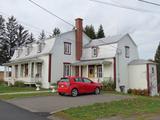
(108,85)
(55,85)
(138,92)
(19,84)
(3,83)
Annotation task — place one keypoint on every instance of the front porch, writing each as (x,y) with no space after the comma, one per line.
(28,71)
(96,70)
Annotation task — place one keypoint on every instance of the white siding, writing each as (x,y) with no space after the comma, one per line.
(122,61)
(138,76)
(58,56)
(104,51)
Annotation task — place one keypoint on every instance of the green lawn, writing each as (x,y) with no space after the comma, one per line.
(6,89)
(6,97)
(126,108)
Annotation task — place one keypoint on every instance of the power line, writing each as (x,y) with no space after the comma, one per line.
(148,2)
(51,13)
(37,29)
(121,6)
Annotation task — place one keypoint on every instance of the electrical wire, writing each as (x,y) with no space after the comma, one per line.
(148,2)
(51,13)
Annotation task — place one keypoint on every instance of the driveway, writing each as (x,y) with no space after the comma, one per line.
(12,112)
(55,103)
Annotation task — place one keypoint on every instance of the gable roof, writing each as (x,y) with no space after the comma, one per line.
(108,40)
(104,41)
(140,61)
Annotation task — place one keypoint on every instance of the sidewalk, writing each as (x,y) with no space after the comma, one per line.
(13,93)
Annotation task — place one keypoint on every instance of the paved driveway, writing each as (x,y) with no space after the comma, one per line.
(52,104)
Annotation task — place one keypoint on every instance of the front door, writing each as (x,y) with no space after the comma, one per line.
(91,71)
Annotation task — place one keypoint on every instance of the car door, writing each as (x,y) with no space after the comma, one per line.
(80,85)
(89,85)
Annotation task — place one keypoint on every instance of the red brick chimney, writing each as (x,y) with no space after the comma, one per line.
(79,38)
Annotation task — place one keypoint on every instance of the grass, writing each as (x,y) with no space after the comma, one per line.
(6,89)
(16,96)
(126,108)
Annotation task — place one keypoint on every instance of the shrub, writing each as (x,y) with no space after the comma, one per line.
(108,85)
(19,84)
(138,92)
(55,85)
(3,83)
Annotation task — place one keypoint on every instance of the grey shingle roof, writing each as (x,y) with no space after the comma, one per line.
(140,61)
(104,41)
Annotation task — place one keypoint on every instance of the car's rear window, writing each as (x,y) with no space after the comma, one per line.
(64,80)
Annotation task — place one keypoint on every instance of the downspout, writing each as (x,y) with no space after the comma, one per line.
(49,68)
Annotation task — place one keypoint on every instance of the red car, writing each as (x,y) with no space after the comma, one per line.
(73,86)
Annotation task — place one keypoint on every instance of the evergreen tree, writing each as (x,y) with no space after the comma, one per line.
(11,33)
(3,46)
(42,35)
(30,39)
(22,36)
(100,33)
(90,32)
(157,60)
(56,32)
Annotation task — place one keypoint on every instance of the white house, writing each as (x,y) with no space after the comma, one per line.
(73,53)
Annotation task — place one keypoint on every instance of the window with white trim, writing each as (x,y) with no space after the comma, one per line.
(99,71)
(94,52)
(67,48)
(39,47)
(127,52)
(67,69)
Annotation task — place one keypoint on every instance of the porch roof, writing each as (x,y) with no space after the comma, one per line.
(23,61)
(91,62)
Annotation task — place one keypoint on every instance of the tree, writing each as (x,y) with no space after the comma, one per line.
(3,46)
(22,36)
(157,60)
(30,39)
(42,35)
(56,32)
(89,30)
(11,34)
(100,33)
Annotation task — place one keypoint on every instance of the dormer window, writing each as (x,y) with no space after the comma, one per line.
(127,51)
(94,51)
(19,51)
(28,50)
(40,46)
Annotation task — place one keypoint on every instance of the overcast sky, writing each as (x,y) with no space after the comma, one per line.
(144,27)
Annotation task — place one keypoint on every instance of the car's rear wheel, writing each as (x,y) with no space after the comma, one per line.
(97,91)
(74,92)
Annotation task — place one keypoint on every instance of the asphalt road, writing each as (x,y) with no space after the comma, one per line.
(12,112)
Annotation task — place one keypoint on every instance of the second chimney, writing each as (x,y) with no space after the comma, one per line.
(79,38)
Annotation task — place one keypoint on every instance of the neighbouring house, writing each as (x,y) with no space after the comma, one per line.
(112,58)
(1,73)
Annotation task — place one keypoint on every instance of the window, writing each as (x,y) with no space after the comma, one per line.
(78,80)
(22,70)
(94,52)
(99,71)
(39,47)
(39,70)
(64,80)
(26,70)
(28,50)
(91,71)
(32,70)
(86,80)
(67,69)
(19,51)
(16,71)
(67,48)
(126,51)
(152,69)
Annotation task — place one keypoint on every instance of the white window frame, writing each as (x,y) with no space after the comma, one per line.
(99,71)
(39,47)
(67,48)
(127,51)
(94,51)
(66,69)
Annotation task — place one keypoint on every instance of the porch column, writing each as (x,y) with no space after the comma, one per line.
(19,70)
(79,70)
(5,72)
(102,71)
(87,71)
(35,71)
(29,70)
(13,71)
